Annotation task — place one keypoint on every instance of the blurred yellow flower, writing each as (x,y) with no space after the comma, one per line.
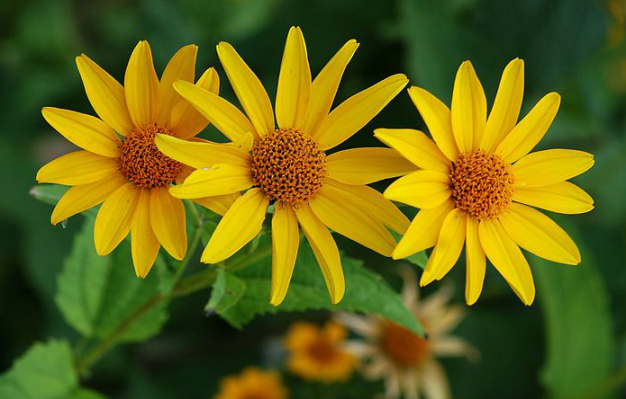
(130,175)
(253,383)
(317,354)
(477,179)
(289,167)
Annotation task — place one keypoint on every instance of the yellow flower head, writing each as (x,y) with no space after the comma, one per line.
(477,179)
(253,383)
(317,354)
(288,164)
(130,175)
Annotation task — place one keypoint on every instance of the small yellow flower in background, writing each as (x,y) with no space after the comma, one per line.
(253,383)
(403,359)
(477,179)
(130,175)
(318,354)
(289,166)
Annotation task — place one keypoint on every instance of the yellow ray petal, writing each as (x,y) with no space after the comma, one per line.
(80,198)
(77,168)
(185,120)
(423,189)
(325,85)
(469,109)
(248,88)
(506,106)
(545,168)
(537,233)
(218,179)
(225,116)
(423,231)
(182,66)
(219,204)
(240,224)
(285,241)
(448,248)
(354,113)
(367,165)
(416,147)
(437,117)
(562,197)
(294,82)
(144,244)
(507,258)
(325,250)
(167,217)
(525,136)
(114,218)
(141,86)
(476,263)
(85,131)
(105,94)
(200,155)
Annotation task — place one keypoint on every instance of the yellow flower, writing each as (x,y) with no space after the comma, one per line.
(289,166)
(477,178)
(406,361)
(253,383)
(130,175)
(317,354)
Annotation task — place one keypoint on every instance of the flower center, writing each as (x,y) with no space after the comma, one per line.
(322,351)
(288,166)
(143,164)
(403,347)
(482,184)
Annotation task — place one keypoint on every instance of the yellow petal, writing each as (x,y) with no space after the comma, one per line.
(525,136)
(545,168)
(294,82)
(416,147)
(537,233)
(225,116)
(248,88)
(182,66)
(76,168)
(114,218)
(85,131)
(506,106)
(200,155)
(242,223)
(562,197)
(144,244)
(423,189)
(141,86)
(80,198)
(469,109)
(367,165)
(105,94)
(423,231)
(354,113)
(448,248)
(325,85)
(476,262)
(325,250)
(437,117)
(507,258)
(219,204)
(285,241)
(167,217)
(218,179)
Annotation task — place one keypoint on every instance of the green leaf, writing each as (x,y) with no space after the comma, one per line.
(52,193)
(227,291)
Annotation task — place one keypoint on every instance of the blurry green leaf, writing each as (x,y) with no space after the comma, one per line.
(52,193)
(420,259)
(227,290)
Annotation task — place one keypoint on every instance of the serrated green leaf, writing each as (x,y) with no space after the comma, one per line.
(227,291)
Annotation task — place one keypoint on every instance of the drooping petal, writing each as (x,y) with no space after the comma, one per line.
(562,197)
(423,231)
(434,381)
(285,241)
(416,147)
(240,225)
(85,131)
(537,233)
(423,189)
(469,109)
(367,165)
(77,168)
(448,248)
(144,244)
(219,179)
(182,66)
(325,250)
(294,82)
(167,217)
(185,120)
(141,86)
(476,262)
(219,204)
(548,167)
(354,113)
(200,155)
(115,217)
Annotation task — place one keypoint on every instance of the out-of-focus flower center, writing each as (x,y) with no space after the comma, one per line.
(482,184)
(288,166)
(143,164)
(403,347)
(323,350)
